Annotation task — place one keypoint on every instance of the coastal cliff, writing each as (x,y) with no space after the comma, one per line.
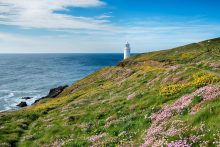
(169,97)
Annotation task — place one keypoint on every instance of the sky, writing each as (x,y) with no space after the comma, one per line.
(103,26)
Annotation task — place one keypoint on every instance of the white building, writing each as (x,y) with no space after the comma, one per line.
(127,50)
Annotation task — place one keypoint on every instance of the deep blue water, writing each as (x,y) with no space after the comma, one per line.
(34,75)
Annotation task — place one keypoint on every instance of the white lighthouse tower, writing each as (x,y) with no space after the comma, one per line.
(127,50)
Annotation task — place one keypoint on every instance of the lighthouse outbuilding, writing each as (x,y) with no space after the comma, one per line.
(127,50)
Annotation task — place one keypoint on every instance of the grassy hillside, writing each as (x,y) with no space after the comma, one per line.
(169,97)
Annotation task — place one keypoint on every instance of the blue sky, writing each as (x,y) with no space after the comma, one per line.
(85,26)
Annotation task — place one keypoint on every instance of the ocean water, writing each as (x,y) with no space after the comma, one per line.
(33,75)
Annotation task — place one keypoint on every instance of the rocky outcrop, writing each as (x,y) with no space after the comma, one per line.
(54,92)
(22,104)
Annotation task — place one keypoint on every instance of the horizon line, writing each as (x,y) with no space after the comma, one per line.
(71,53)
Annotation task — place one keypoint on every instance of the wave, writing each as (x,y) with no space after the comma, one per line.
(9,95)
(20,91)
(12,98)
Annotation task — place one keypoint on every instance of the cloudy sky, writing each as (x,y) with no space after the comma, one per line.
(87,26)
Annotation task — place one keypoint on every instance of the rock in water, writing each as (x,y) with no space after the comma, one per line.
(26,98)
(22,104)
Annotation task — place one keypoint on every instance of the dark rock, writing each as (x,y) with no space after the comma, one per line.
(22,104)
(23,126)
(53,93)
(36,101)
(56,91)
(73,118)
(26,98)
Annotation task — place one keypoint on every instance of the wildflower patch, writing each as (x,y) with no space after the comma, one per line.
(160,120)
(200,79)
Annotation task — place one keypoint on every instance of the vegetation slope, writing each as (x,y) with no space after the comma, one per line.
(163,98)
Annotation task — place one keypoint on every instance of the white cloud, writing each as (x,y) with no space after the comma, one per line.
(41,14)
(105,15)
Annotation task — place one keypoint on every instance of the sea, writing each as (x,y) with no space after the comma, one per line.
(33,75)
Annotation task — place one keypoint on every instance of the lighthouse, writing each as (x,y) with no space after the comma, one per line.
(127,50)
